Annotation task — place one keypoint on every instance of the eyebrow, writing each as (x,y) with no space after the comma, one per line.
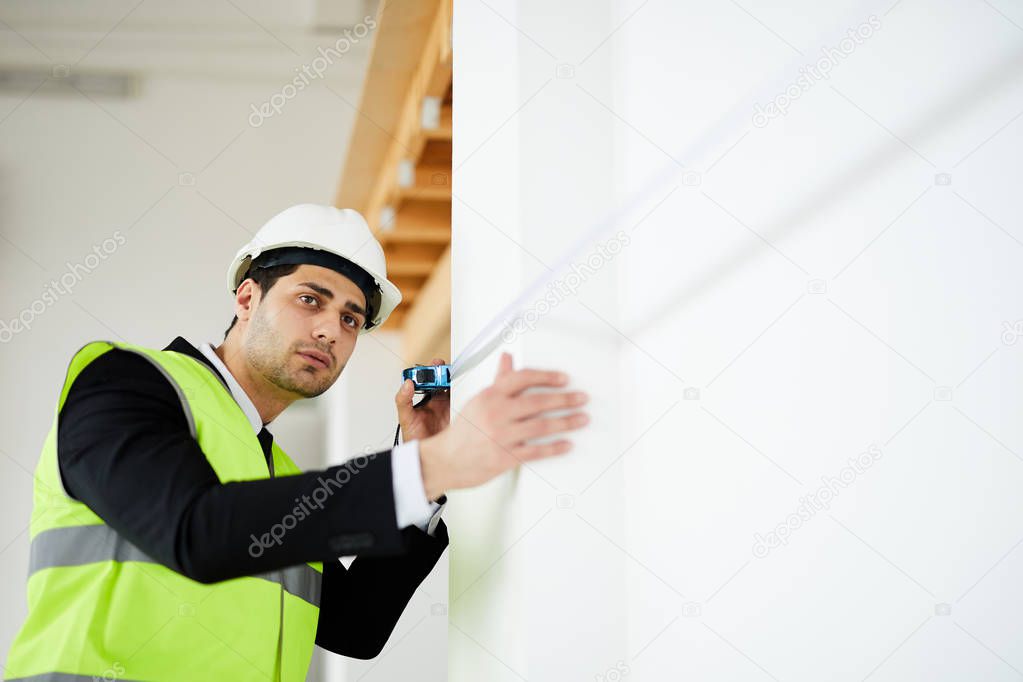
(329,295)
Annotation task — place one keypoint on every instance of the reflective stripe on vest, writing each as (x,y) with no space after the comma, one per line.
(62,677)
(80,545)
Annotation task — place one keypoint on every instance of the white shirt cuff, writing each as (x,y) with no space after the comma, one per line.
(410,504)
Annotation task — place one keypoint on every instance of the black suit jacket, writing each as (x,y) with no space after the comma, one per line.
(125,450)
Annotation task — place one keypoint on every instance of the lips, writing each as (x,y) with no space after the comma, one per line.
(315,358)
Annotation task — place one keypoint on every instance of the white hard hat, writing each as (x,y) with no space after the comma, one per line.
(337,238)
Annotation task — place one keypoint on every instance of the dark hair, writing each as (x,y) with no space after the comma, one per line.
(265,278)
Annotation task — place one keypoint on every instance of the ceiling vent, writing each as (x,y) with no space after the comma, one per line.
(61,80)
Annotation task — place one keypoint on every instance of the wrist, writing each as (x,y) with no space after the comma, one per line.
(431,465)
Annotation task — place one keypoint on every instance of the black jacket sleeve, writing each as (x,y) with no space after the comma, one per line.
(360,606)
(124,449)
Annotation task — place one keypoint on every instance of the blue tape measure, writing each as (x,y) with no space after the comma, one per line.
(429,378)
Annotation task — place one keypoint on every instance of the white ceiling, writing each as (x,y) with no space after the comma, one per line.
(261,39)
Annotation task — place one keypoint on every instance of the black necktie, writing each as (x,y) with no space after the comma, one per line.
(266,440)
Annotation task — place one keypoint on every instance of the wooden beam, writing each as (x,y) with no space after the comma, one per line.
(423,193)
(404,282)
(422,235)
(442,133)
(410,268)
(403,30)
(420,215)
(434,175)
(408,140)
(427,324)
(413,251)
(436,152)
(405,122)
(395,320)
(408,294)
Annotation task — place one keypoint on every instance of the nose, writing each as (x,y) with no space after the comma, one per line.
(327,332)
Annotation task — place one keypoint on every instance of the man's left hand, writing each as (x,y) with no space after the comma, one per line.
(425,421)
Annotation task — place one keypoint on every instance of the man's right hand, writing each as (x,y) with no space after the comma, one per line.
(489,436)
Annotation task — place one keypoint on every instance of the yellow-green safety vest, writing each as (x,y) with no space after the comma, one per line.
(101,609)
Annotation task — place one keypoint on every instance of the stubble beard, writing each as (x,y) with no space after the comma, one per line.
(269,355)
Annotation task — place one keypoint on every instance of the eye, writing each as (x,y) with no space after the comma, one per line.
(309,296)
(352,322)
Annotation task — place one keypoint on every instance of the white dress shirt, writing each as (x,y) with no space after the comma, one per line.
(411,505)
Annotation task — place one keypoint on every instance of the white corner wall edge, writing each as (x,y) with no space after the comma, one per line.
(530,550)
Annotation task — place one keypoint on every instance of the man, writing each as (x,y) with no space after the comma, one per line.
(173,540)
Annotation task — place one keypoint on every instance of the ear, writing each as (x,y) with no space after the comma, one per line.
(245,299)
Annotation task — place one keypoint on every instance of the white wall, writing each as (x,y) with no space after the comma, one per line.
(74,172)
(819,291)
(363,420)
(515,584)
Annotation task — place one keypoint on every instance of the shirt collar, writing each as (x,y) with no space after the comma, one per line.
(237,392)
